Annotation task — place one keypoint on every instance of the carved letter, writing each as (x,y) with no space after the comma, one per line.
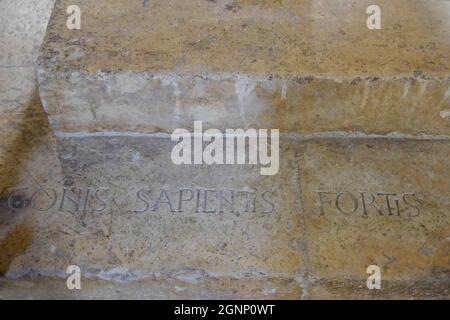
(181,199)
(371,203)
(140,197)
(405,199)
(272,206)
(388,202)
(322,201)
(53,196)
(355,203)
(225,200)
(163,198)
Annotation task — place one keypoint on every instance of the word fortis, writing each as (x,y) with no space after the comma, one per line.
(234,148)
(368,203)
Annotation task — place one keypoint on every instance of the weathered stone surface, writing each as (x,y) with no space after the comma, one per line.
(299,66)
(205,288)
(123,212)
(378,202)
(292,252)
(289,250)
(17,85)
(22,29)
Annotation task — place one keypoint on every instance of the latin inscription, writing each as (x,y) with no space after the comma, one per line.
(144,200)
(369,203)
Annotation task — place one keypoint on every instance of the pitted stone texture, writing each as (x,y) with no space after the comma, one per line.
(300,66)
(206,288)
(377,202)
(22,29)
(126,249)
(124,212)
(255,37)
(17,87)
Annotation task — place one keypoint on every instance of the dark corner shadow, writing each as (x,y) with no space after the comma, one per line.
(13,244)
(24,131)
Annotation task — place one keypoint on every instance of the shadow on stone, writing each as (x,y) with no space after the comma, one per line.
(25,129)
(13,244)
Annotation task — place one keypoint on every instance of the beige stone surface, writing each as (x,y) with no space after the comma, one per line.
(377,202)
(22,29)
(291,251)
(299,66)
(100,203)
(17,85)
(206,288)
(287,37)
(76,202)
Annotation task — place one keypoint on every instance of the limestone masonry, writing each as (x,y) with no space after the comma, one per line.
(298,66)
(87,177)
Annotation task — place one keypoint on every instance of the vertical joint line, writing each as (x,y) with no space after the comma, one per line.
(305,251)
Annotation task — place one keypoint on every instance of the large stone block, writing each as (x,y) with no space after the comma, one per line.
(377,202)
(139,226)
(22,30)
(119,209)
(299,66)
